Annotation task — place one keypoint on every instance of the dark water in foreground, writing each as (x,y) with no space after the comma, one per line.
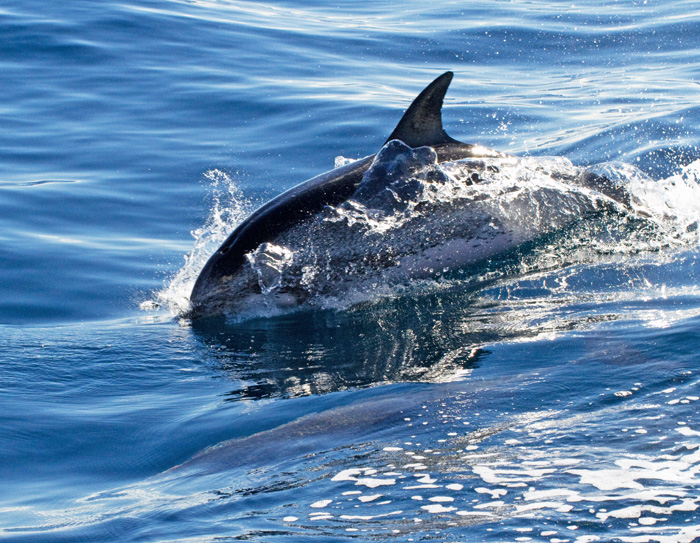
(551,395)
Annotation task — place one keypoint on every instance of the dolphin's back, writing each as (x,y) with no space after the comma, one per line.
(277,215)
(421,125)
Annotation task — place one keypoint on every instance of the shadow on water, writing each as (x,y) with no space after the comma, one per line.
(338,426)
(317,352)
(432,334)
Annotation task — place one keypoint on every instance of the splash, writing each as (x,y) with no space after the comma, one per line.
(228,209)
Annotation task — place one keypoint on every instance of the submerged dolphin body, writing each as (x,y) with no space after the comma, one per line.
(420,126)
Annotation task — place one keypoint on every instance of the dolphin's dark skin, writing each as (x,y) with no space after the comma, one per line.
(420,126)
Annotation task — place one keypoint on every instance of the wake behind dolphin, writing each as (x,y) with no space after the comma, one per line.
(424,205)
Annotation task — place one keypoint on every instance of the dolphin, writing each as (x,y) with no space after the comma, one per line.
(420,126)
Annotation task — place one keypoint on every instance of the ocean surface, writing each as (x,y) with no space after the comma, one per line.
(550,394)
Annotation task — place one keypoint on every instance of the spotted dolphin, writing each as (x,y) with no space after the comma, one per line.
(420,126)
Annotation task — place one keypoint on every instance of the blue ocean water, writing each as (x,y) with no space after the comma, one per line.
(559,403)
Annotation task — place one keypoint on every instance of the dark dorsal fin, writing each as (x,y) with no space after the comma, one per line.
(422,122)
